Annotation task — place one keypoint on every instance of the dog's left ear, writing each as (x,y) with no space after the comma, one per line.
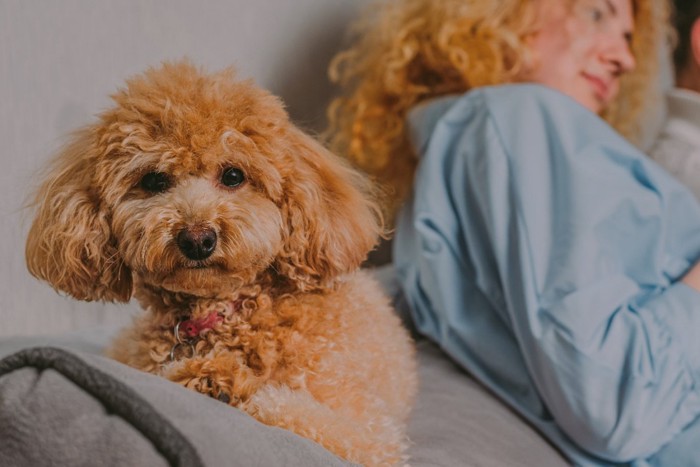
(331,221)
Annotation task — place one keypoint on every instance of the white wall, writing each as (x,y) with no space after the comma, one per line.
(60,60)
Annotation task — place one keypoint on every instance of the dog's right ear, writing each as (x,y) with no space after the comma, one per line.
(70,243)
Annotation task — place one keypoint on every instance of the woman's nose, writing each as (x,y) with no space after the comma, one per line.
(619,54)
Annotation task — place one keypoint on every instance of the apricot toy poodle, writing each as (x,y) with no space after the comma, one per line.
(241,237)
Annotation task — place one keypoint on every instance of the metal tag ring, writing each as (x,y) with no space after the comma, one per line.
(182,344)
(176,331)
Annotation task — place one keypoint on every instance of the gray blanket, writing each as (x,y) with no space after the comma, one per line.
(72,407)
(68,408)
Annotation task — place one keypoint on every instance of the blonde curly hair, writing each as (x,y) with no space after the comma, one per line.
(407,51)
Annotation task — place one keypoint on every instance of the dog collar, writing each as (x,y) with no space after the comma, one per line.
(191,328)
(188,331)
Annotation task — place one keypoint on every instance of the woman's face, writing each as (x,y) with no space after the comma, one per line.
(582,48)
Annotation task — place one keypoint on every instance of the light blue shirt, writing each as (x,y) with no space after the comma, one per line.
(542,252)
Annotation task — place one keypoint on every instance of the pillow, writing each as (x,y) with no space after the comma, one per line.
(61,407)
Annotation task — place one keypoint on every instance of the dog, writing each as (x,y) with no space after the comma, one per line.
(242,239)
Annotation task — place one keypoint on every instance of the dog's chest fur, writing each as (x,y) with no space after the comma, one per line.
(277,339)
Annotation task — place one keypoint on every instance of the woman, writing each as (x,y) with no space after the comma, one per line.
(412,50)
(542,251)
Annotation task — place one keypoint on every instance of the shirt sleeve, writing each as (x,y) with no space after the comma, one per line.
(573,241)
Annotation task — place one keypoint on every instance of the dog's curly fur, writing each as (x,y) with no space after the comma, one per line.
(302,339)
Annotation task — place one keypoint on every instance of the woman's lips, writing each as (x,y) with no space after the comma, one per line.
(601,87)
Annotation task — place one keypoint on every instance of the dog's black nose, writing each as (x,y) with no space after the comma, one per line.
(197,243)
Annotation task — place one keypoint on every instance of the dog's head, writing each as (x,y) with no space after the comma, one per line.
(195,183)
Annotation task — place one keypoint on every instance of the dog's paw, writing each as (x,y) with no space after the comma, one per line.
(215,391)
(212,377)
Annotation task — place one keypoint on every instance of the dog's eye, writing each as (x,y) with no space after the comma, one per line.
(155,182)
(232,177)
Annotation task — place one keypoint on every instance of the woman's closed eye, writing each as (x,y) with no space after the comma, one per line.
(596,14)
(596,11)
